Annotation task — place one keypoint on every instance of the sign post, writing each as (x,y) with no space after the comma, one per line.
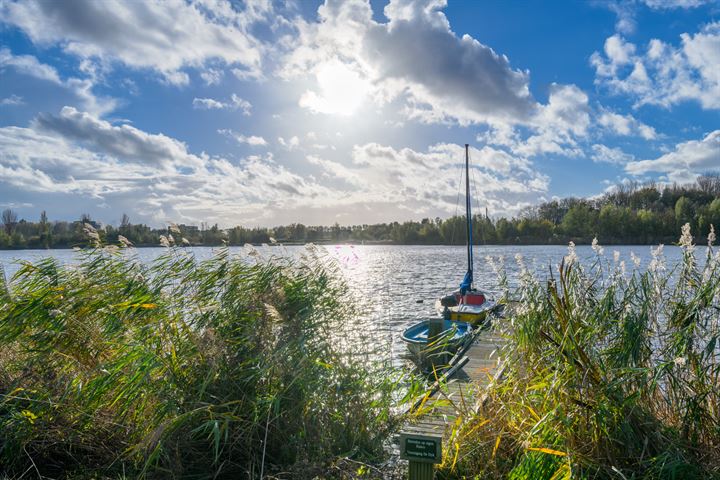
(422,453)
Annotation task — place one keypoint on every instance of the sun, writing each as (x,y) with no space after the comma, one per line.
(342,90)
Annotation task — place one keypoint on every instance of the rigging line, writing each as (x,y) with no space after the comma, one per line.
(454,226)
(477,204)
(457,204)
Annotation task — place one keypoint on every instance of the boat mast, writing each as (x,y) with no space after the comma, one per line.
(468,214)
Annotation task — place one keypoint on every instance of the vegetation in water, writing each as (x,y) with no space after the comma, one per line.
(608,372)
(633,213)
(235,367)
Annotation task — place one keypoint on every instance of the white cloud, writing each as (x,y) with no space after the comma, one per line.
(604,154)
(625,10)
(336,170)
(163,36)
(242,104)
(414,58)
(555,127)
(669,4)
(122,141)
(12,100)
(427,73)
(567,111)
(625,125)
(664,75)
(692,157)
(81,88)
(38,162)
(207,104)
(29,65)
(618,52)
(75,155)
(211,76)
(79,155)
(382,174)
(252,140)
(289,144)
(235,103)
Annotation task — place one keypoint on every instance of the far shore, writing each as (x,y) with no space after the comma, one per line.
(369,243)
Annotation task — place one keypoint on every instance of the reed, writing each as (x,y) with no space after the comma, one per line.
(235,367)
(610,372)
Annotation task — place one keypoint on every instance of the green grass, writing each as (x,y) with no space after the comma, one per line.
(609,374)
(224,368)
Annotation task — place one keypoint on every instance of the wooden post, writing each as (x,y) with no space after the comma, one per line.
(421,471)
(422,453)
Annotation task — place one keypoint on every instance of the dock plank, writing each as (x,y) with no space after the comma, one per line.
(462,390)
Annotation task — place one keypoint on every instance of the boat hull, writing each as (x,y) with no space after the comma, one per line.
(424,352)
(475,315)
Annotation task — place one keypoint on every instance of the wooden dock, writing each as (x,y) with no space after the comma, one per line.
(461,392)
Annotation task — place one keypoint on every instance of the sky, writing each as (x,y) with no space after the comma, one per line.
(264,113)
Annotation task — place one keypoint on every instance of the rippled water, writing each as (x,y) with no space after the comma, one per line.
(398,283)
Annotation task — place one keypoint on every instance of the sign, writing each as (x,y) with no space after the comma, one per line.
(420,448)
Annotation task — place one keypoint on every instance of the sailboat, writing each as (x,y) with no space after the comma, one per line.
(431,341)
(467,303)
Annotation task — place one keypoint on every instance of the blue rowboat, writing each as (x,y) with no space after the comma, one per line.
(453,336)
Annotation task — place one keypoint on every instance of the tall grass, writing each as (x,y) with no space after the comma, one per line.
(610,372)
(228,368)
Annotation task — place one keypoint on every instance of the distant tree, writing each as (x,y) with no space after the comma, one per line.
(649,226)
(645,197)
(17,240)
(299,232)
(580,221)
(684,211)
(483,230)
(453,230)
(709,184)
(506,231)
(45,236)
(534,230)
(713,214)
(551,211)
(613,223)
(125,221)
(336,231)
(10,220)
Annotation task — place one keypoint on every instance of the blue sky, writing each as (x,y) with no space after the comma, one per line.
(267,113)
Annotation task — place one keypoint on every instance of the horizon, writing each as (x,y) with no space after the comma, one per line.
(268,114)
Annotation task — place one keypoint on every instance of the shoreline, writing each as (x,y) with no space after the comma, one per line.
(375,243)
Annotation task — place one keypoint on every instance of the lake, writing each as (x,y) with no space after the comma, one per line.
(400,283)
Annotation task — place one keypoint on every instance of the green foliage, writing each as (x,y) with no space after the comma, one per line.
(684,211)
(607,374)
(580,221)
(228,367)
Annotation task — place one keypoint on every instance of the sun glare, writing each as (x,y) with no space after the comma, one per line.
(342,90)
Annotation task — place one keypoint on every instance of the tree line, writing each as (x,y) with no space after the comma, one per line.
(630,213)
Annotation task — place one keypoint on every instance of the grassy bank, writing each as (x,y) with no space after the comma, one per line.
(609,373)
(226,368)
